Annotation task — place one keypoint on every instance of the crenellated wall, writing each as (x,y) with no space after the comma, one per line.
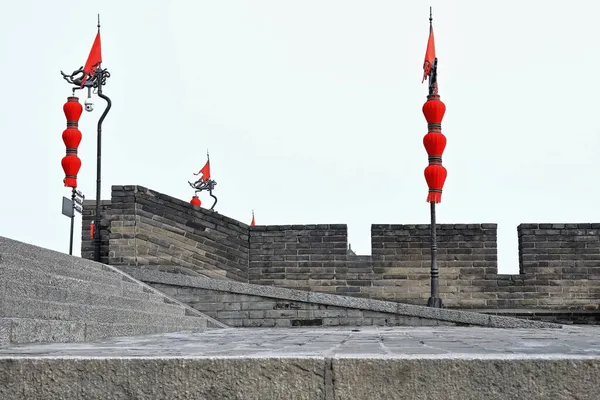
(466,255)
(559,263)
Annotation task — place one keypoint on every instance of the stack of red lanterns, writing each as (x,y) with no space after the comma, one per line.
(72,137)
(435,143)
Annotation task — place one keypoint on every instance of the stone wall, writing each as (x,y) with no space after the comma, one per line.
(560,263)
(88,215)
(307,257)
(466,256)
(149,228)
(246,310)
(248,305)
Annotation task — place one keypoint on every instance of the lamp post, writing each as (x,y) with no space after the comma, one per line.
(102,75)
(92,77)
(435,143)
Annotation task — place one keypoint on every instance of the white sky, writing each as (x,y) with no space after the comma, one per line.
(311,110)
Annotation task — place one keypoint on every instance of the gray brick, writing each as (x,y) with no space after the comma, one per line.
(281,314)
(257,314)
(226,315)
(258,305)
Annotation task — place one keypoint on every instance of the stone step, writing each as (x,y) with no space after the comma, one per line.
(83,272)
(96,331)
(61,295)
(36,309)
(26,330)
(41,259)
(120,288)
(16,331)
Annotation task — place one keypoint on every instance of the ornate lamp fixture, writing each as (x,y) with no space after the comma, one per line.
(435,143)
(91,77)
(204,183)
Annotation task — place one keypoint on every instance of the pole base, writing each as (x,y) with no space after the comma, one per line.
(435,302)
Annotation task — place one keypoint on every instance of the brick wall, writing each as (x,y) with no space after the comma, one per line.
(560,263)
(151,229)
(88,215)
(246,310)
(306,257)
(467,260)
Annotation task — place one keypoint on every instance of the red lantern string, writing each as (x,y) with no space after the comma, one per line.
(435,143)
(72,138)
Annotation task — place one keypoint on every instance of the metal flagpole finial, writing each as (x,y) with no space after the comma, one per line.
(207,155)
(98,22)
(430,16)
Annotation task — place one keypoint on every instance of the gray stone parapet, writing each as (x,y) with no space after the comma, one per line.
(244,300)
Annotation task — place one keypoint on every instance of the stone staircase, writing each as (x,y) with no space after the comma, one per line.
(47,296)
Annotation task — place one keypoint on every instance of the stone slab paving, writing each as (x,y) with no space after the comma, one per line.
(441,363)
(370,342)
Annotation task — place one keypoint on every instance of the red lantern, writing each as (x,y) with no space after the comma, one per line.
(73,109)
(434,109)
(72,138)
(435,175)
(196,201)
(435,144)
(71,165)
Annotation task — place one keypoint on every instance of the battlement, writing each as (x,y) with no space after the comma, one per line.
(559,263)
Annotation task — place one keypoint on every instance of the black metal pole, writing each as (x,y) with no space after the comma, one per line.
(434,300)
(97,238)
(72,221)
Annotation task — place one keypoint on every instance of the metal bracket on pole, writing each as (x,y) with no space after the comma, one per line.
(69,208)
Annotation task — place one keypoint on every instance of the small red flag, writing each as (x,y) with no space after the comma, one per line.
(253,223)
(429,55)
(205,171)
(94,59)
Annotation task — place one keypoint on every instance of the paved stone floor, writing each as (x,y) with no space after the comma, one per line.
(378,342)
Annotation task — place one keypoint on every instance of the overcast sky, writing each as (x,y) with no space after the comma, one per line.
(311,110)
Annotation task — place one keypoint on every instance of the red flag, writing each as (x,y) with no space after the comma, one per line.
(205,171)
(94,59)
(429,55)
(253,223)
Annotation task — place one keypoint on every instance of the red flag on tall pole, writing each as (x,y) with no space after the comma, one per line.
(253,222)
(94,58)
(430,52)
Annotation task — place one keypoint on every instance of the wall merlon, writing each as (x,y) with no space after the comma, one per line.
(557,260)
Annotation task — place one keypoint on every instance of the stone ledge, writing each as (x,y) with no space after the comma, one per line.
(324,378)
(442,227)
(454,316)
(308,227)
(141,190)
